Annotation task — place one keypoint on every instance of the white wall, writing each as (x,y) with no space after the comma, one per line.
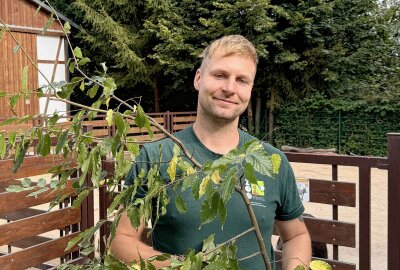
(47,50)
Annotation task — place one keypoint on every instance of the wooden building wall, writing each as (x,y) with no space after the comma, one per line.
(11,66)
(21,13)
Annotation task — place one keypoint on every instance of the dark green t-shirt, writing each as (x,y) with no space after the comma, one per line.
(175,233)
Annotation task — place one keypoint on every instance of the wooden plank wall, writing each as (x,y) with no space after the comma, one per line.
(21,13)
(11,66)
(30,235)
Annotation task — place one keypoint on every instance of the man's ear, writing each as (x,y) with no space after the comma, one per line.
(196,81)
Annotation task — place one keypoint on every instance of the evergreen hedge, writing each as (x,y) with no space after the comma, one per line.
(352,127)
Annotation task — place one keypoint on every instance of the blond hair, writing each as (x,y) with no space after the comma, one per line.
(230,45)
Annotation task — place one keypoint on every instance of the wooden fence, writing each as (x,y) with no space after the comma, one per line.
(330,231)
(34,236)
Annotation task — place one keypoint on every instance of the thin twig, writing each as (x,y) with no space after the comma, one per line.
(253,219)
(230,240)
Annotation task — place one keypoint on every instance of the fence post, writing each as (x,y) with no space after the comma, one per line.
(393,200)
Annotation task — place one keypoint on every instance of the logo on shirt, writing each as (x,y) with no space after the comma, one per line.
(255,193)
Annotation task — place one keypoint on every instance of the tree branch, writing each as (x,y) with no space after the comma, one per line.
(253,219)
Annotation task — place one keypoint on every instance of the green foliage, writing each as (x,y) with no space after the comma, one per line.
(349,126)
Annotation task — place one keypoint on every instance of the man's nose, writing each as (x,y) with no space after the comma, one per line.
(230,85)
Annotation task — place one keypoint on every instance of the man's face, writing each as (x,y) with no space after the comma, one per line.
(224,84)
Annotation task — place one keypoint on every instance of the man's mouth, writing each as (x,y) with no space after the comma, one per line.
(225,100)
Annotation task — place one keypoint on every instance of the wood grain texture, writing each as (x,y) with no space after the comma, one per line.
(38,224)
(34,255)
(334,193)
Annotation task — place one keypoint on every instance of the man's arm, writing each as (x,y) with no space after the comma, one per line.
(296,243)
(128,246)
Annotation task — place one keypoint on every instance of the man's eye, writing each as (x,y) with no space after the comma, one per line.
(242,81)
(219,76)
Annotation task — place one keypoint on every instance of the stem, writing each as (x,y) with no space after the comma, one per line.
(230,240)
(253,219)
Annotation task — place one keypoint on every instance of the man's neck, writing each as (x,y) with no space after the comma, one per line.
(219,137)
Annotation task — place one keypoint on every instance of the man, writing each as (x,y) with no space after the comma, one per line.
(224,82)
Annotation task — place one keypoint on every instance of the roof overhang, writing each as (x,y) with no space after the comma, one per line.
(50,10)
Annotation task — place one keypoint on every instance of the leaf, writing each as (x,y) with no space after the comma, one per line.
(49,23)
(26,182)
(71,67)
(3,94)
(85,236)
(14,100)
(134,217)
(53,183)
(46,145)
(109,117)
(300,267)
(208,243)
(87,251)
(215,266)
(84,61)
(93,91)
(78,52)
(320,265)
(9,121)
(215,177)
(67,27)
(261,163)
(15,188)
(180,204)
(24,81)
(2,31)
(196,188)
(36,193)
(82,85)
(140,117)
(62,140)
(20,153)
(2,146)
(118,199)
(222,211)
(16,48)
(276,163)
(133,148)
(53,120)
(188,181)
(206,213)
(81,196)
(203,185)
(119,122)
(41,182)
(228,184)
(172,168)
(109,87)
(249,173)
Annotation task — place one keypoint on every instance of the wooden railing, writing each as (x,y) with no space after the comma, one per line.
(26,218)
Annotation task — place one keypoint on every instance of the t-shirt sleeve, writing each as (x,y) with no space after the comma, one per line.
(291,206)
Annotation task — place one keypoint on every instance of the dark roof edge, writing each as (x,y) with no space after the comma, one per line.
(62,17)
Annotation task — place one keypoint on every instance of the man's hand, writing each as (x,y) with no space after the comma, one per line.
(129,244)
